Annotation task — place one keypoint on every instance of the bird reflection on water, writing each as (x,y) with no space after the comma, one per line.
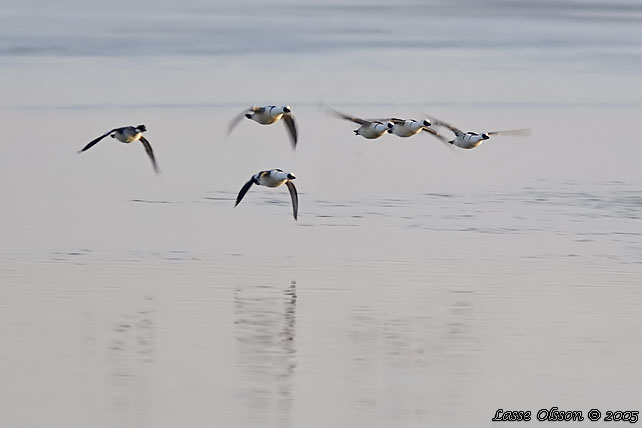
(265,325)
(131,354)
(459,347)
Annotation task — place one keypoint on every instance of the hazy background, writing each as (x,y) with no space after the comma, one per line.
(421,286)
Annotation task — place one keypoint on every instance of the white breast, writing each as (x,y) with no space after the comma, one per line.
(270,115)
(473,138)
(372,130)
(273,179)
(468,141)
(407,129)
(127,135)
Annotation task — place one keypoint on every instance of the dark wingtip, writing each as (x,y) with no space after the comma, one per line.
(155,166)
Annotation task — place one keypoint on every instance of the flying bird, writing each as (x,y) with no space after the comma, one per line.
(272,178)
(268,115)
(470,140)
(127,134)
(369,129)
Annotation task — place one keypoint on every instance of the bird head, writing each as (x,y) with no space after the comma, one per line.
(291,176)
(485,136)
(287,109)
(141,128)
(427,123)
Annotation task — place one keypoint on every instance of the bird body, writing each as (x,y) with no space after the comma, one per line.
(272,178)
(267,115)
(128,134)
(406,128)
(371,130)
(469,140)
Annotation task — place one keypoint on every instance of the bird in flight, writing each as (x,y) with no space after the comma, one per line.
(127,134)
(470,140)
(268,115)
(272,178)
(369,129)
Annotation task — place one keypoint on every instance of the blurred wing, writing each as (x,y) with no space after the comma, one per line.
(439,122)
(516,132)
(289,123)
(92,143)
(438,135)
(236,121)
(346,117)
(394,120)
(244,190)
(295,198)
(150,153)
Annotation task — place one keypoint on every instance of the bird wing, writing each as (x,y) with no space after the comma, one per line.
(437,134)
(517,132)
(241,115)
(295,198)
(439,122)
(92,143)
(150,153)
(244,190)
(347,117)
(288,119)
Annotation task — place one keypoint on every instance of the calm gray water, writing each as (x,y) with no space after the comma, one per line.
(420,287)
